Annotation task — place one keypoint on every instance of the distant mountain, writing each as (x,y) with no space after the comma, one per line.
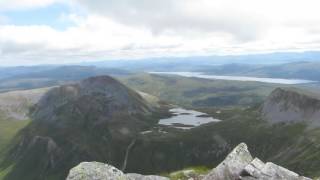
(15,105)
(95,119)
(43,76)
(193,63)
(6,72)
(296,70)
(51,76)
(292,106)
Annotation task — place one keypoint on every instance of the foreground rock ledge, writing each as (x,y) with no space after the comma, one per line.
(238,165)
(100,171)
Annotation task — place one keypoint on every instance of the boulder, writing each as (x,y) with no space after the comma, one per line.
(268,171)
(101,171)
(233,164)
(239,164)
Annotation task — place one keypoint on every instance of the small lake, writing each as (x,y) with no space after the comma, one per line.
(237,78)
(186,119)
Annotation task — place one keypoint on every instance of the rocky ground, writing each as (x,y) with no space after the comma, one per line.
(239,164)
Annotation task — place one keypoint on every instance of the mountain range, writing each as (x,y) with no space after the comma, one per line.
(101,119)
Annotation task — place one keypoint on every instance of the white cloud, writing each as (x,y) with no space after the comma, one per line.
(180,16)
(147,28)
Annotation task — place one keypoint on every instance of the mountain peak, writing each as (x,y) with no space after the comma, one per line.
(292,105)
(105,95)
(99,80)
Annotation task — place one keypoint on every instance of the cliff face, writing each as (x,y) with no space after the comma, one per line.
(287,105)
(239,164)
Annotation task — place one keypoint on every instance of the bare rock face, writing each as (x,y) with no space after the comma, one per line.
(100,171)
(239,164)
(233,165)
(259,170)
(289,105)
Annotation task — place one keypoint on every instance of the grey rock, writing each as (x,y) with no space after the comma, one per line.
(95,171)
(254,168)
(232,166)
(239,164)
(268,171)
(101,171)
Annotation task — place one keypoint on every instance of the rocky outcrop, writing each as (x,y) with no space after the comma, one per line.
(239,164)
(233,165)
(100,171)
(292,105)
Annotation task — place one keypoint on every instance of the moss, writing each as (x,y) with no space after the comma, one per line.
(187,173)
(8,129)
(4,172)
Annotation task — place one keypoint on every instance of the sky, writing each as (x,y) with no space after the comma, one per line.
(72,31)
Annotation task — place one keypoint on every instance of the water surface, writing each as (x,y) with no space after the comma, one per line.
(238,78)
(186,119)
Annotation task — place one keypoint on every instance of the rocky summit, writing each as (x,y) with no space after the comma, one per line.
(238,165)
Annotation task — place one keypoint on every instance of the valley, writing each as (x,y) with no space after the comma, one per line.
(154,124)
(159,90)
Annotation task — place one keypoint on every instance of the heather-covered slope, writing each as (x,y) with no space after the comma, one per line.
(95,119)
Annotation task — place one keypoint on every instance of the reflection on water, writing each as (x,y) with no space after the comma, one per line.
(238,78)
(187,119)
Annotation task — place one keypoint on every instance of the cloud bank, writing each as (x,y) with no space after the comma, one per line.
(116,29)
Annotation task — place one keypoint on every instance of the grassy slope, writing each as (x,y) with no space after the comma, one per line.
(200,92)
(8,129)
(14,107)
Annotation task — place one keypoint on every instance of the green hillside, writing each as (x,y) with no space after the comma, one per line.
(196,92)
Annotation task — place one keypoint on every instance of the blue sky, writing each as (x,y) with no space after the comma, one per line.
(51,15)
(68,31)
